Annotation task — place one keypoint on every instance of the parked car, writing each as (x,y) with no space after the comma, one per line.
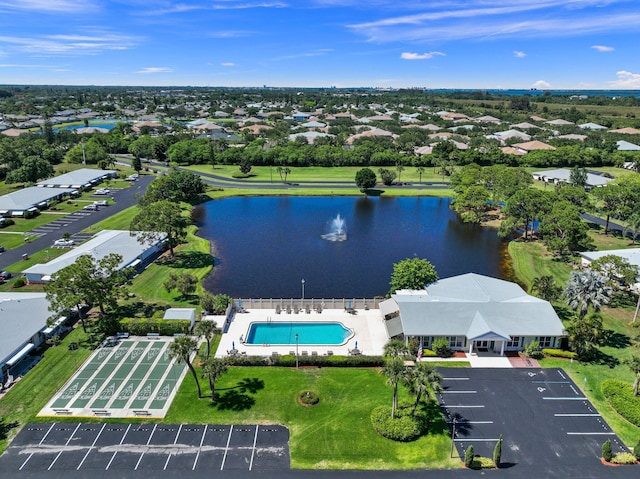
(102,191)
(5,275)
(64,242)
(1,249)
(101,203)
(92,207)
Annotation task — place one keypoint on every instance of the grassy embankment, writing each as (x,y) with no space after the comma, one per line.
(532,260)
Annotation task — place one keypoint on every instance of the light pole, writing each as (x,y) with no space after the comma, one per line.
(303,289)
(453,436)
(296,350)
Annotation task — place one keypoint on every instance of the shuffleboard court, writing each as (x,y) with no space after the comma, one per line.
(134,377)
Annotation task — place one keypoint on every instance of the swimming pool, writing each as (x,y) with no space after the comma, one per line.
(309,333)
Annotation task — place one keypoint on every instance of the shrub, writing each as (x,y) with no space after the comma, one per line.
(440,346)
(636,450)
(19,282)
(404,427)
(468,457)
(623,458)
(559,353)
(142,326)
(427,353)
(309,398)
(533,350)
(289,361)
(497,452)
(607,453)
(480,462)
(620,396)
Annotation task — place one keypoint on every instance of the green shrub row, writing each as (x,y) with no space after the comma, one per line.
(427,353)
(142,326)
(620,396)
(404,427)
(559,353)
(289,360)
(623,458)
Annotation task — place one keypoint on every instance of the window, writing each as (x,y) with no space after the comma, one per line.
(455,341)
(545,341)
(514,343)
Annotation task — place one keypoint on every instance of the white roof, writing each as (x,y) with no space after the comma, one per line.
(21,316)
(102,244)
(78,177)
(592,126)
(27,197)
(476,306)
(632,255)
(627,146)
(180,313)
(564,174)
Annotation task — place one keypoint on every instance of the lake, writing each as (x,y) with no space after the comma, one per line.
(265,246)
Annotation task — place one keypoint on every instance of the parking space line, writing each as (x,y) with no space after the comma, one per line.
(591,434)
(39,444)
(91,447)
(455,379)
(551,382)
(461,406)
(200,448)
(116,452)
(576,415)
(476,440)
(458,392)
(253,449)
(469,422)
(549,398)
(175,441)
(65,445)
(226,449)
(148,442)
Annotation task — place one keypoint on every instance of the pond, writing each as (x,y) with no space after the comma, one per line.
(264,247)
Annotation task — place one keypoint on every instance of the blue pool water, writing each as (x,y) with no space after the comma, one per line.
(308,333)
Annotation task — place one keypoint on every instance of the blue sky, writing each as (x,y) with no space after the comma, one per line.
(319,43)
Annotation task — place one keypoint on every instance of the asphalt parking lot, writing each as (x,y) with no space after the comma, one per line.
(543,416)
(122,449)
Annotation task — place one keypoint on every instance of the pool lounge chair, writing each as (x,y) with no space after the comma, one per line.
(278,309)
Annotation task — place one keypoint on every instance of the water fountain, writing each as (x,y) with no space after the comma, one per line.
(337,230)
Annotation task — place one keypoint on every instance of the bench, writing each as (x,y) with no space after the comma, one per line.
(100,412)
(142,413)
(122,335)
(64,412)
(153,335)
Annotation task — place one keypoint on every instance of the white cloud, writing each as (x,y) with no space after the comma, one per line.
(420,56)
(230,34)
(519,54)
(71,44)
(50,6)
(602,48)
(626,80)
(541,84)
(228,64)
(233,5)
(155,70)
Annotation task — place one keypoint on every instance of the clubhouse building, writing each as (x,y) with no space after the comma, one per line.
(474,313)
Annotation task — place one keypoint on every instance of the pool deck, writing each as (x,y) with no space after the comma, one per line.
(367,325)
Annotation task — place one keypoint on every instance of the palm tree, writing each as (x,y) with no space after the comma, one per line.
(395,348)
(587,288)
(633,227)
(208,330)
(420,379)
(633,363)
(181,349)
(394,369)
(546,288)
(420,170)
(400,169)
(212,369)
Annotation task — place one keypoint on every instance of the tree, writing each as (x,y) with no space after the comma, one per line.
(399,168)
(245,166)
(365,179)
(212,370)
(420,170)
(609,197)
(177,186)
(136,164)
(616,269)
(207,330)
(89,153)
(607,453)
(32,170)
(546,288)
(283,171)
(587,288)
(633,363)
(185,283)
(563,230)
(472,204)
(523,209)
(578,177)
(468,457)
(89,280)
(395,349)
(181,349)
(387,176)
(420,379)
(412,273)
(394,370)
(585,333)
(160,220)
(633,227)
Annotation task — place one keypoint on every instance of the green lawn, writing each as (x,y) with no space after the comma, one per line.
(531,260)
(336,433)
(29,395)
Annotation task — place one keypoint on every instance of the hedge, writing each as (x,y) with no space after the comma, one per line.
(620,396)
(142,326)
(404,427)
(559,353)
(289,360)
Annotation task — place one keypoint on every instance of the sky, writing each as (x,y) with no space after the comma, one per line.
(544,44)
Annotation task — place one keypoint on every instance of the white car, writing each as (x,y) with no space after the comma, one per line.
(64,242)
(101,203)
(92,207)
(101,191)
